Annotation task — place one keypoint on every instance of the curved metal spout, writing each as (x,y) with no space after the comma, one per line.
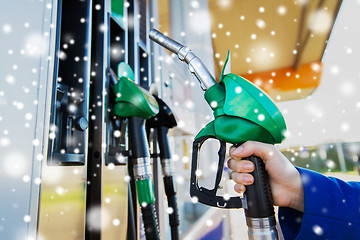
(186,55)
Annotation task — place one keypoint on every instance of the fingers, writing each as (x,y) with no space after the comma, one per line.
(262,150)
(242,178)
(241,170)
(239,188)
(241,166)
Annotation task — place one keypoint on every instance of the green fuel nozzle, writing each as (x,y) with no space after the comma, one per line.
(242,112)
(136,104)
(130,99)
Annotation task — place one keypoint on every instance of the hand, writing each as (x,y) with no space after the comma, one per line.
(285,180)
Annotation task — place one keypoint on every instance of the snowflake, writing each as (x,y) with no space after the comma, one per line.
(209,222)
(27,218)
(116,222)
(318,230)
(260,24)
(213,104)
(10,79)
(169,210)
(282,10)
(93,218)
(7,28)
(320,21)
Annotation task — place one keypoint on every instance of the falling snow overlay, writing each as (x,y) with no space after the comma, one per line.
(329,115)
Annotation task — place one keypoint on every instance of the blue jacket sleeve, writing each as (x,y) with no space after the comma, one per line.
(331,210)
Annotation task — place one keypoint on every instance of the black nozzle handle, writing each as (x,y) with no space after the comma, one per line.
(258,202)
(163,142)
(174,221)
(137,136)
(169,183)
(259,197)
(260,215)
(150,222)
(209,196)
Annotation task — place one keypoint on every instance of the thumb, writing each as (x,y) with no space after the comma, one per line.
(261,150)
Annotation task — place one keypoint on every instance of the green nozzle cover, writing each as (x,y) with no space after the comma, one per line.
(243,112)
(124,70)
(130,99)
(145,189)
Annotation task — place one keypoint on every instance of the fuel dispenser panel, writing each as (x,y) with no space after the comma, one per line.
(64,179)
(69,114)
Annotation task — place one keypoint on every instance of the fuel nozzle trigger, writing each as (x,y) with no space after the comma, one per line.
(209,196)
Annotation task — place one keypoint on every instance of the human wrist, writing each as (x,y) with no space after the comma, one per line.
(297,200)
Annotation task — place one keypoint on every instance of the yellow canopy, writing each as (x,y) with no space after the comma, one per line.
(276,44)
